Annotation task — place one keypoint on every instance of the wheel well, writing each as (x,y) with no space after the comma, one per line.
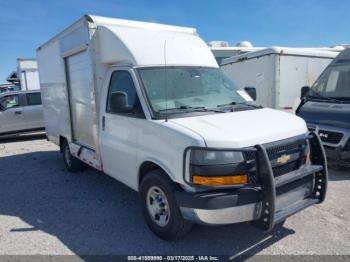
(145,168)
(62,140)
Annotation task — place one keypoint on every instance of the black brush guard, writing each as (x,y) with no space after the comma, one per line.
(269,183)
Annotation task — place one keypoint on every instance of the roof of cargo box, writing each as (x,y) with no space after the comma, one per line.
(139,43)
(305,52)
(142,44)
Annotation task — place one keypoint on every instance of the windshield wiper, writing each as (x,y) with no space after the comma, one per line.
(322,97)
(189,109)
(233,103)
(341,98)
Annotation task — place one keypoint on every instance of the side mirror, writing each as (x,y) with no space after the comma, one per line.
(251,92)
(304,91)
(119,102)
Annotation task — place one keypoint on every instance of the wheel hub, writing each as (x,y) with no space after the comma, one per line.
(158,207)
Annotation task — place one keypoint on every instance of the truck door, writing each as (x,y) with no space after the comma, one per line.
(78,70)
(33,111)
(120,128)
(11,114)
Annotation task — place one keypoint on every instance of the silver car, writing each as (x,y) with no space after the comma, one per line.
(21,112)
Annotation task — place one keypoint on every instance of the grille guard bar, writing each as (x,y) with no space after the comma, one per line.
(268,217)
(269,184)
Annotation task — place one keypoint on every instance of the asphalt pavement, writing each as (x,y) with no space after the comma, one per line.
(46,210)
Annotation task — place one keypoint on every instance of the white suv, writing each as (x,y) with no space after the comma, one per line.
(21,112)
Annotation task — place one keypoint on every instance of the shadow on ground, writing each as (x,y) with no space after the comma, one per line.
(93,214)
(339,173)
(21,138)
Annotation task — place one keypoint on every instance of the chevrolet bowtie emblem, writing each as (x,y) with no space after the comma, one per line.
(283,159)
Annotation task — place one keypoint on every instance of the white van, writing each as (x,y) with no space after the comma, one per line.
(148,105)
(278,73)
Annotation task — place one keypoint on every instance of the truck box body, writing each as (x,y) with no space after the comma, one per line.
(277,73)
(28,75)
(148,105)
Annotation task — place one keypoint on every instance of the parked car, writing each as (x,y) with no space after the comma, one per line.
(20,112)
(326,108)
(159,115)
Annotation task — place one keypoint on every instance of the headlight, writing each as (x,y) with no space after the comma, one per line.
(207,157)
(218,168)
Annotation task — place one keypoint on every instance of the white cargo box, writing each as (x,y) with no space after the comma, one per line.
(278,73)
(27,73)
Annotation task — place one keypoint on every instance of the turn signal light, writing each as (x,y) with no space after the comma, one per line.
(220,180)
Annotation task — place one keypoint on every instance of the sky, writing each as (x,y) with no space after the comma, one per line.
(26,24)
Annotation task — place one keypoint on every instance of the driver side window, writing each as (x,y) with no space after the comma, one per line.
(8,102)
(122,96)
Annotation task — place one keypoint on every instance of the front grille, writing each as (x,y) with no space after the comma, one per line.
(250,155)
(286,168)
(311,128)
(330,137)
(275,151)
(289,149)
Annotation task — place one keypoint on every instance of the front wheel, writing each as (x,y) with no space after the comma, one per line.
(72,163)
(159,207)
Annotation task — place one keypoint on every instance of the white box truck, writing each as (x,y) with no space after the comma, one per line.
(278,73)
(148,105)
(27,73)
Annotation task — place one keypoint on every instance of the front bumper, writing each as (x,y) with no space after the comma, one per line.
(338,154)
(223,216)
(276,199)
(219,208)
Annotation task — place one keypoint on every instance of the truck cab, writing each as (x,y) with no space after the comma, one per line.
(158,115)
(326,108)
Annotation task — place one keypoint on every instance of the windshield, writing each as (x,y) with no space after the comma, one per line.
(333,83)
(173,89)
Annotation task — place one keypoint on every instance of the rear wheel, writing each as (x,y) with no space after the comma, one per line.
(72,163)
(159,207)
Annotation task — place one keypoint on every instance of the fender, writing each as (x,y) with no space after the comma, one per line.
(161,165)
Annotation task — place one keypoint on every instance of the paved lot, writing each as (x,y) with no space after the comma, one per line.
(45,210)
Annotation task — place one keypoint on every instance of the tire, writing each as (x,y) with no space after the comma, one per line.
(72,163)
(170,225)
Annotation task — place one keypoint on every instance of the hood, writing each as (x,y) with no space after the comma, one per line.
(244,128)
(330,114)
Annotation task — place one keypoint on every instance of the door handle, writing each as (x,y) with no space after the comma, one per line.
(103,123)
(18,112)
